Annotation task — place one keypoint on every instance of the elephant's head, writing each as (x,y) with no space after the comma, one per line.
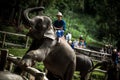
(6,75)
(39,25)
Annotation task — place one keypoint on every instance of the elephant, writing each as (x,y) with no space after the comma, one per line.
(58,58)
(5,75)
(83,65)
(108,65)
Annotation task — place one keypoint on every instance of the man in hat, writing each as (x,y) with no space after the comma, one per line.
(115,58)
(59,25)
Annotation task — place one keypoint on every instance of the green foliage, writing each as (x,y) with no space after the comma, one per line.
(98,76)
(76,75)
(19,52)
(107,10)
(98,19)
(15,39)
(7,28)
(40,66)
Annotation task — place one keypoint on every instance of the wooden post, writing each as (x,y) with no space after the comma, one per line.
(3,42)
(3,59)
(89,54)
(26,45)
(9,66)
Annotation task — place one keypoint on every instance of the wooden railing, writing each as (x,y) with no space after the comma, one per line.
(95,55)
(3,41)
(5,58)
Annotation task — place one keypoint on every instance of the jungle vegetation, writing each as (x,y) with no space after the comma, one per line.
(97,20)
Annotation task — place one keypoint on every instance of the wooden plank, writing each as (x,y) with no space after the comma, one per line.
(3,59)
(12,44)
(4,32)
(92,53)
(26,45)
(30,70)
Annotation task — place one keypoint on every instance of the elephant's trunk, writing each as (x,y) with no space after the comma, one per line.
(29,21)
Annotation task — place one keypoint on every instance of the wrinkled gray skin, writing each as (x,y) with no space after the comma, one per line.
(5,75)
(58,58)
(83,65)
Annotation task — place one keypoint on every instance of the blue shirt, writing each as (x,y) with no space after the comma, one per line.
(82,43)
(60,24)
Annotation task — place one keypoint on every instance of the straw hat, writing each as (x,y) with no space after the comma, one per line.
(59,14)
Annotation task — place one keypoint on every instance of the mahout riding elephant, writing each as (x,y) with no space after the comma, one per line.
(58,58)
(108,65)
(83,65)
(5,75)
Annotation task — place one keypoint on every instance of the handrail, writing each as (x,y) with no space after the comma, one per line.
(16,34)
(4,32)
(91,53)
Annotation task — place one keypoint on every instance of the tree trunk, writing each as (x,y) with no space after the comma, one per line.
(11,18)
(40,3)
(19,20)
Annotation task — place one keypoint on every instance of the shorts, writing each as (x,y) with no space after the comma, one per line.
(59,33)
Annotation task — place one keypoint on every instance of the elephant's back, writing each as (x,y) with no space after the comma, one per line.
(5,75)
(61,53)
(63,48)
(59,58)
(83,62)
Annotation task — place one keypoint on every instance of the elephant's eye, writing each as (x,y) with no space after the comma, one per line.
(38,26)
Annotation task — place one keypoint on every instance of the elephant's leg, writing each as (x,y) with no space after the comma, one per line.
(50,76)
(82,76)
(40,53)
(85,75)
(70,71)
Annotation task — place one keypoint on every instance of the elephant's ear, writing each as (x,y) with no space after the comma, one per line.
(50,31)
